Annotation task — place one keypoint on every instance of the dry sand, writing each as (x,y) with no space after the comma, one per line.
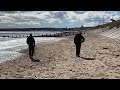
(100,60)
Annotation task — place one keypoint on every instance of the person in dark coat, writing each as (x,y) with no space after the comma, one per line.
(78,40)
(31,44)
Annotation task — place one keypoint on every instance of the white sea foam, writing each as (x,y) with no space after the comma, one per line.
(9,48)
(22,42)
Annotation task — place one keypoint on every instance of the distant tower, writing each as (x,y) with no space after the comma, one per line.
(103,19)
(66,27)
(82,27)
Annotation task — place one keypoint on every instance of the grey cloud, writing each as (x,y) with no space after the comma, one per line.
(1,14)
(30,18)
(59,14)
(10,12)
(80,12)
(58,18)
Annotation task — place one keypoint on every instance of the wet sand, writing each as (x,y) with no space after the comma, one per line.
(100,59)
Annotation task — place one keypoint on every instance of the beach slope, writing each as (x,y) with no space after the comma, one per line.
(99,60)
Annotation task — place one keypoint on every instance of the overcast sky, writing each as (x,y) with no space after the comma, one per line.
(41,19)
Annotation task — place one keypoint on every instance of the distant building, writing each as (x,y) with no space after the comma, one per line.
(82,27)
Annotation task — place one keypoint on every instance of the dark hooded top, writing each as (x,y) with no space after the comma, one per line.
(78,39)
(30,41)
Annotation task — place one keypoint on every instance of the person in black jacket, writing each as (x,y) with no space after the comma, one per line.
(31,44)
(78,39)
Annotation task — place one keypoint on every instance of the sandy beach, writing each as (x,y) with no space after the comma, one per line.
(100,59)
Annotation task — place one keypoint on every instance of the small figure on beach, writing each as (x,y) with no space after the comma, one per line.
(78,40)
(31,44)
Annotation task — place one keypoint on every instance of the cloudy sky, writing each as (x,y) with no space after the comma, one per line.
(41,19)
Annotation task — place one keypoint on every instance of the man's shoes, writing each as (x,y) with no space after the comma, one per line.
(77,56)
(30,56)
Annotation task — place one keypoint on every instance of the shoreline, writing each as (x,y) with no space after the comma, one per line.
(19,49)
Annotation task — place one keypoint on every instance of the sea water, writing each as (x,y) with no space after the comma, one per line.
(9,47)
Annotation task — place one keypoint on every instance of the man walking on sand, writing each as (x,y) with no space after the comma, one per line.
(78,39)
(31,44)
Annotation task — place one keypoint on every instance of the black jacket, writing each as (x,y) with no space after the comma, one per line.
(30,41)
(78,39)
